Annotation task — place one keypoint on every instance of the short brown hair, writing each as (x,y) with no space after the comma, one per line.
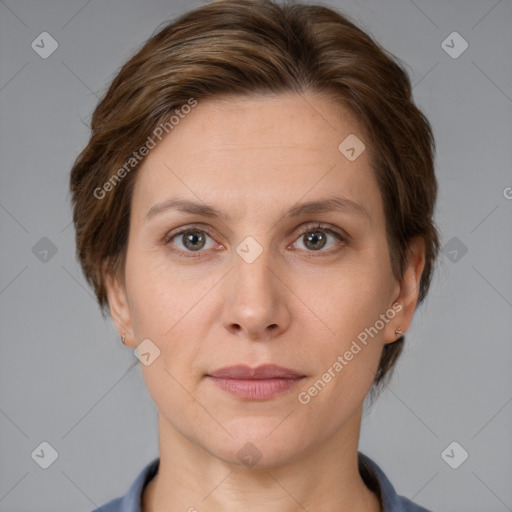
(258,47)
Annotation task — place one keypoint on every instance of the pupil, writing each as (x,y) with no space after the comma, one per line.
(314,237)
(191,240)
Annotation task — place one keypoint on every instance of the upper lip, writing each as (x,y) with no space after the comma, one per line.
(265,371)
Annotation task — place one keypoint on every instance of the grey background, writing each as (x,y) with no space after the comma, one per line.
(64,373)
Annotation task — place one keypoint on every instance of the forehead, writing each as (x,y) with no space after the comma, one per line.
(304,122)
(239,151)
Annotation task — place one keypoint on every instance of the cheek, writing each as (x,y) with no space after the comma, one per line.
(348,352)
(348,304)
(170,310)
(158,300)
(345,298)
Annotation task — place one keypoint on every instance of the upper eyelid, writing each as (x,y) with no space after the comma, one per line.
(182,230)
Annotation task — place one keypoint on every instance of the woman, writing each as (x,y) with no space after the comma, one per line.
(255,211)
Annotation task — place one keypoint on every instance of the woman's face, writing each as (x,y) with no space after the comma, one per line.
(259,282)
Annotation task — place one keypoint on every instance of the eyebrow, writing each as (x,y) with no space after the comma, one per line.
(329,204)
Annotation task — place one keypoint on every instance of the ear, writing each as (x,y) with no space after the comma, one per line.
(118,306)
(408,292)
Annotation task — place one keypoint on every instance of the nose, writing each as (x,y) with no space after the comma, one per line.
(256,299)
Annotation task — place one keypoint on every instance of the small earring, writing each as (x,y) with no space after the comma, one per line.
(123,339)
(398,332)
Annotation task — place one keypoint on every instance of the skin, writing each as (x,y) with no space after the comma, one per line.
(294,306)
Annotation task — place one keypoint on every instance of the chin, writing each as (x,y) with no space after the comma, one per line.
(259,442)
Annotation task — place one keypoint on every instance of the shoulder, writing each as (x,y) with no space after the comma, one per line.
(131,501)
(112,506)
(378,482)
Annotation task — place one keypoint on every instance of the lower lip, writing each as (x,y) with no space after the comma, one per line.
(255,389)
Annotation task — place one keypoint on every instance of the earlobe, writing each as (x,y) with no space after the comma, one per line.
(409,287)
(118,306)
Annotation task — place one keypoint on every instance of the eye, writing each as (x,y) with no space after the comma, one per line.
(189,241)
(315,237)
(192,241)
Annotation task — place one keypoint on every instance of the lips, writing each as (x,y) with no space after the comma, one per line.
(265,371)
(261,383)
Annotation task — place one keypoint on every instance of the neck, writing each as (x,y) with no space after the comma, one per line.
(323,478)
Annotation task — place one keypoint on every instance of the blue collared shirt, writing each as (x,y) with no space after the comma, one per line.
(373,476)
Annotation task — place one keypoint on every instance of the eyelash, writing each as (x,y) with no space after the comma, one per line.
(201,229)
